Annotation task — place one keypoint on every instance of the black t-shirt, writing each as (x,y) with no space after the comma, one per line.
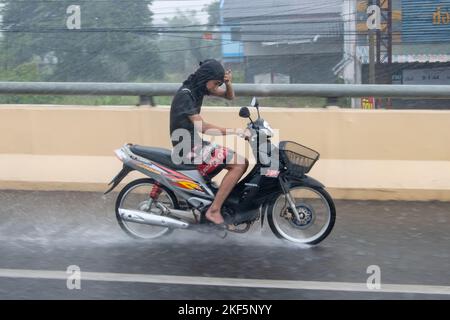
(184,104)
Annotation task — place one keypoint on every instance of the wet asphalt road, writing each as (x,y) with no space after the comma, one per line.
(409,241)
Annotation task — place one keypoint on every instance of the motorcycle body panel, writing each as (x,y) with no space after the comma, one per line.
(245,200)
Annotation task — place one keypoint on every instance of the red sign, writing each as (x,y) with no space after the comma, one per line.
(207,36)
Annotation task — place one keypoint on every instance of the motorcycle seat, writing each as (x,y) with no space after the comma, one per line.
(161,156)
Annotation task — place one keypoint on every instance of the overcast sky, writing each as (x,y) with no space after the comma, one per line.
(168,8)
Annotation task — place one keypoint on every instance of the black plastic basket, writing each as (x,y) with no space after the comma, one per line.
(296,158)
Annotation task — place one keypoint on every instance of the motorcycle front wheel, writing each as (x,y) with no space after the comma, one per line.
(316,210)
(136,196)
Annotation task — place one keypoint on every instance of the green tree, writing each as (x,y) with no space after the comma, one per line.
(185,41)
(115,41)
(213,10)
(177,45)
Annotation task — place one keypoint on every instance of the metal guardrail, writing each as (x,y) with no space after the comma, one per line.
(147,90)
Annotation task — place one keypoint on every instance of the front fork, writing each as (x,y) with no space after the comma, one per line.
(285,187)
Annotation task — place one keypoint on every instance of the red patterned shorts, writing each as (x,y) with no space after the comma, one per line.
(214,159)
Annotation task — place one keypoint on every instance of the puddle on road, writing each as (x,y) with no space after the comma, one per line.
(61,232)
(64,219)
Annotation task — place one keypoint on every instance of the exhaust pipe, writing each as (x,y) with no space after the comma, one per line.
(151,219)
(184,215)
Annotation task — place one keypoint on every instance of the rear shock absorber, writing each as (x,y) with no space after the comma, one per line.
(156,191)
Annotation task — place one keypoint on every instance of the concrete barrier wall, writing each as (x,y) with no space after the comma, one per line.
(365,154)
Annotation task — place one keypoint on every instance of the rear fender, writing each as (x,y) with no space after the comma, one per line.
(119,177)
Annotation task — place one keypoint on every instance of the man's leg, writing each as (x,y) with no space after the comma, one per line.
(235,172)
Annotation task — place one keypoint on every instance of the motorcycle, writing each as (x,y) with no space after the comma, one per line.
(177,196)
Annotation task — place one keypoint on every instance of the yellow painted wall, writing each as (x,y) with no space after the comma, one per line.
(365,154)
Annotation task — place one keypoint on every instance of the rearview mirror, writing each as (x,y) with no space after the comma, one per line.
(244,112)
(254,102)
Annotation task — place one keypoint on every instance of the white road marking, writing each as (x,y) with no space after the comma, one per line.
(226,282)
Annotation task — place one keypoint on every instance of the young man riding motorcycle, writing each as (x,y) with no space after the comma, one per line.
(185,116)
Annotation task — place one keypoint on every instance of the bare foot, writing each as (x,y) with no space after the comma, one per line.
(214,216)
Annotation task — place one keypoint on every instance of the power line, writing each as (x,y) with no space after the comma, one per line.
(159,31)
(166,31)
(310,5)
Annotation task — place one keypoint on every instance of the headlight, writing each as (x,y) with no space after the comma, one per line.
(269,130)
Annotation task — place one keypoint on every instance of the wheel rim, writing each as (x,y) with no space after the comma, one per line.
(136,198)
(314,209)
(306,213)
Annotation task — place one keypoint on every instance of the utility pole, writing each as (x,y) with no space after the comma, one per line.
(384,34)
(352,66)
(373,24)
(371,56)
(380,34)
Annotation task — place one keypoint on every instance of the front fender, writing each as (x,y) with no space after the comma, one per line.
(306,181)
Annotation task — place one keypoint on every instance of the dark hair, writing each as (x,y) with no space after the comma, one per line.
(205,61)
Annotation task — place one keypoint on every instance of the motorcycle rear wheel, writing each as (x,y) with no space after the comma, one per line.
(135,196)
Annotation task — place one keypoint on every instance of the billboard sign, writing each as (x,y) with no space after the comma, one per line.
(425,20)
(437,76)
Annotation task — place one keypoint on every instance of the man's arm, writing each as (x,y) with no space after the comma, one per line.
(228,93)
(210,129)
